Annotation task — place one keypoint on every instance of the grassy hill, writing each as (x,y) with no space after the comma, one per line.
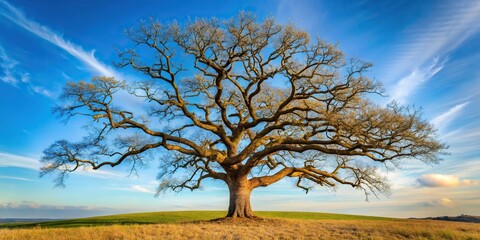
(182,216)
(271,225)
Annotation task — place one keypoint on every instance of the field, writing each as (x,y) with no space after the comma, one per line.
(269,225)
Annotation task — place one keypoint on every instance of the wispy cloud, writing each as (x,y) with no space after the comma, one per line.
(446,202)
(41,90)
(464,141)
(438,36)
(440,180)
(29,209)
(8,65)
(99,173)
(11,160)
(441,121)
(410,83)
(442,202)
(67,77)
(16,178)
(34,205)
(133,188)
(25,77)
(14,76)
(139,188)
(469,168)
(88,58)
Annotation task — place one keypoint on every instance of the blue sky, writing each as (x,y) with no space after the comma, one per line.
(426,53)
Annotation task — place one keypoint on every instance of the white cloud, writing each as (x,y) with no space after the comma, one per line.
(42,91)
(440,180)
(7,66)
(464,143)
(446,202)
(88,58)
(430,39)
(35,205)
(441,203)
(29,209)
(10,160)
(133,188)
(16,178)
(410,83)
(66,76)
(139,188)
(442,120)
(25,78)
(89,171)
(15,77)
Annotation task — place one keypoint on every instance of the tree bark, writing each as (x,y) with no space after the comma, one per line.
(239,207)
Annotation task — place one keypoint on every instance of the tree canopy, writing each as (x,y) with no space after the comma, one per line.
(242,101)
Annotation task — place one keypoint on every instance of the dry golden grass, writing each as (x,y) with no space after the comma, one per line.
(261,229)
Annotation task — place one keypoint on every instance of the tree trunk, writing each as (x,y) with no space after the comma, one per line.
(239,206)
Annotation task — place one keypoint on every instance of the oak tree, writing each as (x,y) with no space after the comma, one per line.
(244,102)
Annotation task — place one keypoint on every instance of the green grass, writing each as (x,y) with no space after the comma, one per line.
(12,224)
(180,216)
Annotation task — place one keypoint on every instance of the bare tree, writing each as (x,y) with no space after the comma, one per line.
(244,102)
